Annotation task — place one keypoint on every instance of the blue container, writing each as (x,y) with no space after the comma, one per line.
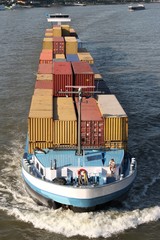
(72,58)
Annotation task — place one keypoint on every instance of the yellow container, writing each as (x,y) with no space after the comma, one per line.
(40,129)
(116,129)
(47,43)
(65,132)
(98,76)
(59,56)
(71,45)
(48,34)
(41,100)
(116,145)
(65,122)
(85,57)
(57,31)
(43,92)
(47,77)
(115,121)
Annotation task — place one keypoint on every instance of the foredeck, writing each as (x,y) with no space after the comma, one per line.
(89,158)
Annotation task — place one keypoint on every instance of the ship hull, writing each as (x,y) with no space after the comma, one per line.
(54,195)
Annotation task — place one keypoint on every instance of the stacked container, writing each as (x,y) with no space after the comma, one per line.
(85,57)
(44,84)
(83,76)
(53,115)
(57,31)
(64,122)
(43,92)
(48,34)
(48,43)
(92,124)
(62,77)
(60,56)
(46,56)
(58,45)
(45,72)
(115,121)
(40,122)
(71,45)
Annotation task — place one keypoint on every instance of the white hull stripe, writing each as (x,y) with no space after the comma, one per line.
(70,195)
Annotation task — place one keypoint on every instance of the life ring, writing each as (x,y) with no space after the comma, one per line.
(82,176)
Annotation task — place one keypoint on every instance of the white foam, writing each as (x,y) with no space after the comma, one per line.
(15,201)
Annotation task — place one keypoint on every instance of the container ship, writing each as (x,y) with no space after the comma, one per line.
(76,149)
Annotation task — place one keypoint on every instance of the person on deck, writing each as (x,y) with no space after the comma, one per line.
(112,166)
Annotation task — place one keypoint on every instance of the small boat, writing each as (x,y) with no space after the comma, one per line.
(78,4)
(76,150)
(136,7)
(3,7)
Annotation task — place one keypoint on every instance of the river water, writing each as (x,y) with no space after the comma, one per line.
(126,49)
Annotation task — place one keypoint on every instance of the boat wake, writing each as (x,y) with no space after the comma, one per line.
(105,223)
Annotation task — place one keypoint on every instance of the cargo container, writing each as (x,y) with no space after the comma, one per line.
(40,120)
(62,77)
(65,121)
(92,124)
(59,56)
(46,57)
(72,58)
(48,34)
(45,68)
(40,128)
(115,121)
(49,30)
(41,103)
(44,84)
(57,31)
(58,45)
(59,60)
(85,57)
(44,77)
(83,76)
(47,43)
(43,92)
(71,45)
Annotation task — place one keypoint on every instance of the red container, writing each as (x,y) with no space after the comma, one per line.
(46,57)
(58,45)
(45,68)
(92,124)
(83,76)
(62,77)
(44,84)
